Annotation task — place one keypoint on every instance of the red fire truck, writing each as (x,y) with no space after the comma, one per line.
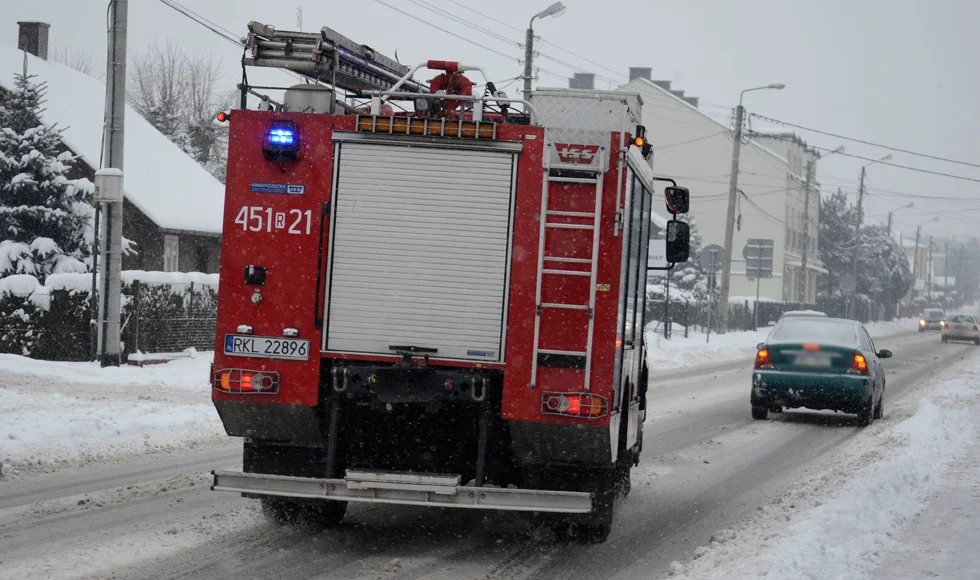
(429,297)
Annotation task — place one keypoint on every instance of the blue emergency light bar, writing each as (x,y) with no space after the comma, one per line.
(281,143)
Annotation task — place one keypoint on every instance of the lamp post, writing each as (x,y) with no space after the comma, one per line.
(726,271)
(556,10)
(857,225)
(806,223)
(892,212)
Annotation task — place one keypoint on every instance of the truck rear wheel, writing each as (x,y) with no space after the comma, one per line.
(324,513)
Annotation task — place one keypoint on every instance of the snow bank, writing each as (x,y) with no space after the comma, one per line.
(58,414)
(841,519)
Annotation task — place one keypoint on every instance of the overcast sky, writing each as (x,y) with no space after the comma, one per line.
(898,72)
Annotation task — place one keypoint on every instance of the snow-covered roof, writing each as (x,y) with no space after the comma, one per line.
(168,186)
(652,86)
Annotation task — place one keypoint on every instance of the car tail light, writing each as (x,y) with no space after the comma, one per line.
(974,329)
(859,366)
(762,359)
(945,327)
(245,381)
(584,405)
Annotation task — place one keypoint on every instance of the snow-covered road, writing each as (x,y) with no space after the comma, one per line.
(708,471)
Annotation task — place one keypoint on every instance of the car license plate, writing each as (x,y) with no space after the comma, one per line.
(812,360)
(267,347)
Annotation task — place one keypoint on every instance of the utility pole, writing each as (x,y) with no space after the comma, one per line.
(806,229)
(915,264)
(929,271)
(109,328)
(857,234)
(528,57)
(946,273)
(726,266)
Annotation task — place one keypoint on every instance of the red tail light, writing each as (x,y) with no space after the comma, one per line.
(974,329)
(859,366)
(584,405)
(762,360)
(946,327)
(245,381)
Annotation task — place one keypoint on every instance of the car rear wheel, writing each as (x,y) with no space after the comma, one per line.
(866,416)
(944,338)
(880,407)
(760,413)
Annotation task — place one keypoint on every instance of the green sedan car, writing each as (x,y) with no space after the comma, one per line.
(819,363)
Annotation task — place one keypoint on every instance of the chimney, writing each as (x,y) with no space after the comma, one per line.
(640,73)
(582,81)
(33,37)
(678,94)
(665,85)
(693,101)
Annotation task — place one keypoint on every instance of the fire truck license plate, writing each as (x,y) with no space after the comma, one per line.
(267,347)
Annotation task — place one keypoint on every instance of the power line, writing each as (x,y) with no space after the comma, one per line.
(441,12)
(862,141)
(689,141)
(223,33)
(459,36)
(920,170)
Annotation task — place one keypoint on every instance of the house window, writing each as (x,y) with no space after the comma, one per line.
(171,253)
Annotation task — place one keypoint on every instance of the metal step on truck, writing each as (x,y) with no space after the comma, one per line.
(431,295)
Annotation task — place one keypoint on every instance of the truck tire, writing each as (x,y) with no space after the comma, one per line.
(622,483)
(597,527)
(325,513)
(760,413)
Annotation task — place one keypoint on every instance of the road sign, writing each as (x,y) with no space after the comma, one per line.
(758,258)
(712,258)
(848,282)
(658,254)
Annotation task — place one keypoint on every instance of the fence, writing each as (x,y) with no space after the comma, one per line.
(53,322)
(693,315)
(170,317)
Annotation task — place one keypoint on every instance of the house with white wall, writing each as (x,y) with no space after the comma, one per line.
(696,150)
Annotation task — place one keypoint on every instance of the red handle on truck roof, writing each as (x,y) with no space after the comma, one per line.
(446,65)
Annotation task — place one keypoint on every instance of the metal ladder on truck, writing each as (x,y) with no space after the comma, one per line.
(552,265)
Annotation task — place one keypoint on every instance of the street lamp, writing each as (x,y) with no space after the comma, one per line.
(915,257)
(860,218)
(806,223)
(556,10)
(726,270)
(892,212)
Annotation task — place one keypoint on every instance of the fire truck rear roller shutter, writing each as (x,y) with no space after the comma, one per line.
(420,250)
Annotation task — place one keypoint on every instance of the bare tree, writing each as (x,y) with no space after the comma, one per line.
(180,95)
(78,60)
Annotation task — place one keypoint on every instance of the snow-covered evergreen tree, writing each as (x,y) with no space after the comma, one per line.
(43,215)
(836,241)
(883,268)
(687,280)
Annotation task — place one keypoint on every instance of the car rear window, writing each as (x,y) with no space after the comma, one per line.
(934,314)
(814,330)
(963,318)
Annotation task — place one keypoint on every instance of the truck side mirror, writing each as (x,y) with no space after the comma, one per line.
(678,241)
(678,199)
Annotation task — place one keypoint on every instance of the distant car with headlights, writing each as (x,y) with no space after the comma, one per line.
(961,327)
(803,314)
(932,319)
(819,363)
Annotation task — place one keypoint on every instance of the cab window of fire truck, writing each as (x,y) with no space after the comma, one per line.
(644,247)
(622,316)
(635,229)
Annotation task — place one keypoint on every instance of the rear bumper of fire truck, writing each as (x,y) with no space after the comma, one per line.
(430,490)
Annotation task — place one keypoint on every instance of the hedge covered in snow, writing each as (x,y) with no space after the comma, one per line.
(161,311)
